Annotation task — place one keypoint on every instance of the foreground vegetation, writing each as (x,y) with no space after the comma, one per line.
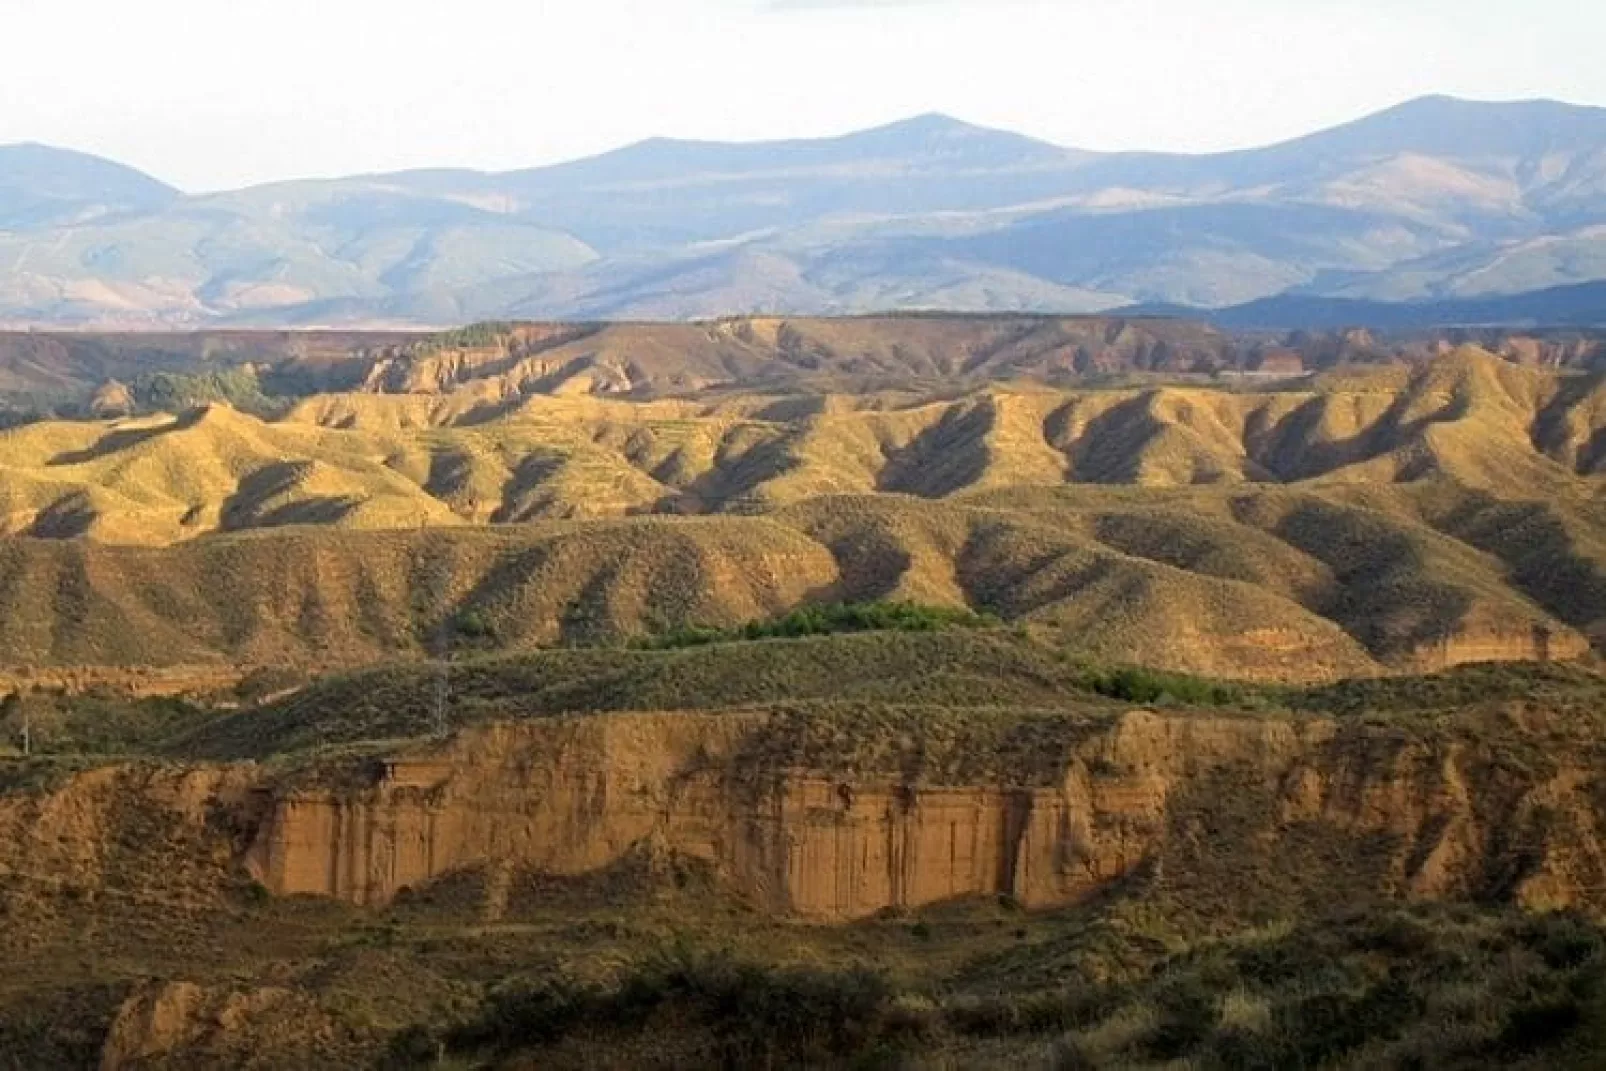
(633,968)
(1431,987)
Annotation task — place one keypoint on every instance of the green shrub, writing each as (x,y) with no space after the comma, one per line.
(474,625)
(828,621)
(1187,1013)
(174,392)
(1134,684)
(752,1015)
(472,336)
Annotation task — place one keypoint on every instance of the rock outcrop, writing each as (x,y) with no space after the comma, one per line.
(110,400)
(1511,643)
(1185,796)
(224,1027)
(1214,809)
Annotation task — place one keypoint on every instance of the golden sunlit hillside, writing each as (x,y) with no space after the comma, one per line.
(366,461)
(1347,524)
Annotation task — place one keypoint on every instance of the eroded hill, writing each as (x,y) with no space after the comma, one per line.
(490,365)
(377,461)
(1386,518)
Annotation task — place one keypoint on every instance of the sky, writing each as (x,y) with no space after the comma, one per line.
(214,95)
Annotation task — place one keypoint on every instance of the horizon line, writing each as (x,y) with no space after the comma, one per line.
(837,136)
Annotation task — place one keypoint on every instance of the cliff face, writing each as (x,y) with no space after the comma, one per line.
(1226,802)
(137,682)
(1486,642)
(1214,810)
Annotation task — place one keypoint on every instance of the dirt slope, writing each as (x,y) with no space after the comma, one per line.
(1258,583)
(369,462)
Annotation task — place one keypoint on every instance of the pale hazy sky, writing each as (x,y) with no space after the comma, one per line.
(221,93)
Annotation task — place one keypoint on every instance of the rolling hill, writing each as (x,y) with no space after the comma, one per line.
(41,187)
(1371,518)
(1437,199)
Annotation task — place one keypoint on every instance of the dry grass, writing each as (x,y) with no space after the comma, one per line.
(1437,515)
(379,461)
(1269,583)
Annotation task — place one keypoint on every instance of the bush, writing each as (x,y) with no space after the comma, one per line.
(1133,684)
(174,392)
(1187,1013)
(474,625)
(473,336)
(828,621)
(1432,986)
(1533,1025)
(752,1015)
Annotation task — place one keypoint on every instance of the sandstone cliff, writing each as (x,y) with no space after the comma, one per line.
(1218,809)
(1145,792)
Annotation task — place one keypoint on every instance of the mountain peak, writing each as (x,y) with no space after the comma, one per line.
(930,123)
(935,136)
(32,161)
(1453,126)
(40,184)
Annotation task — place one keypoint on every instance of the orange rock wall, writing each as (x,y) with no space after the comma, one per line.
(574,795)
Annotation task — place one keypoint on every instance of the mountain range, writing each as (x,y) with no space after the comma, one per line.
(1434,203)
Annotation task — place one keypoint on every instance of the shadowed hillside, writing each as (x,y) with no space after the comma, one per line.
(384,461)
(1396,517)
(1270,583)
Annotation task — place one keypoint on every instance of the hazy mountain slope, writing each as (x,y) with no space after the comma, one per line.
(1583,304)
(43,187)
(670,194)
(1437,197)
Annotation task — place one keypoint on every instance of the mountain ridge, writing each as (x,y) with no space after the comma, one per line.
(1435,198)
(1577,305)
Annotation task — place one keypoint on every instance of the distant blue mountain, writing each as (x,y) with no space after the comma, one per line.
(41,186)
(1436,202)
(1580,305)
